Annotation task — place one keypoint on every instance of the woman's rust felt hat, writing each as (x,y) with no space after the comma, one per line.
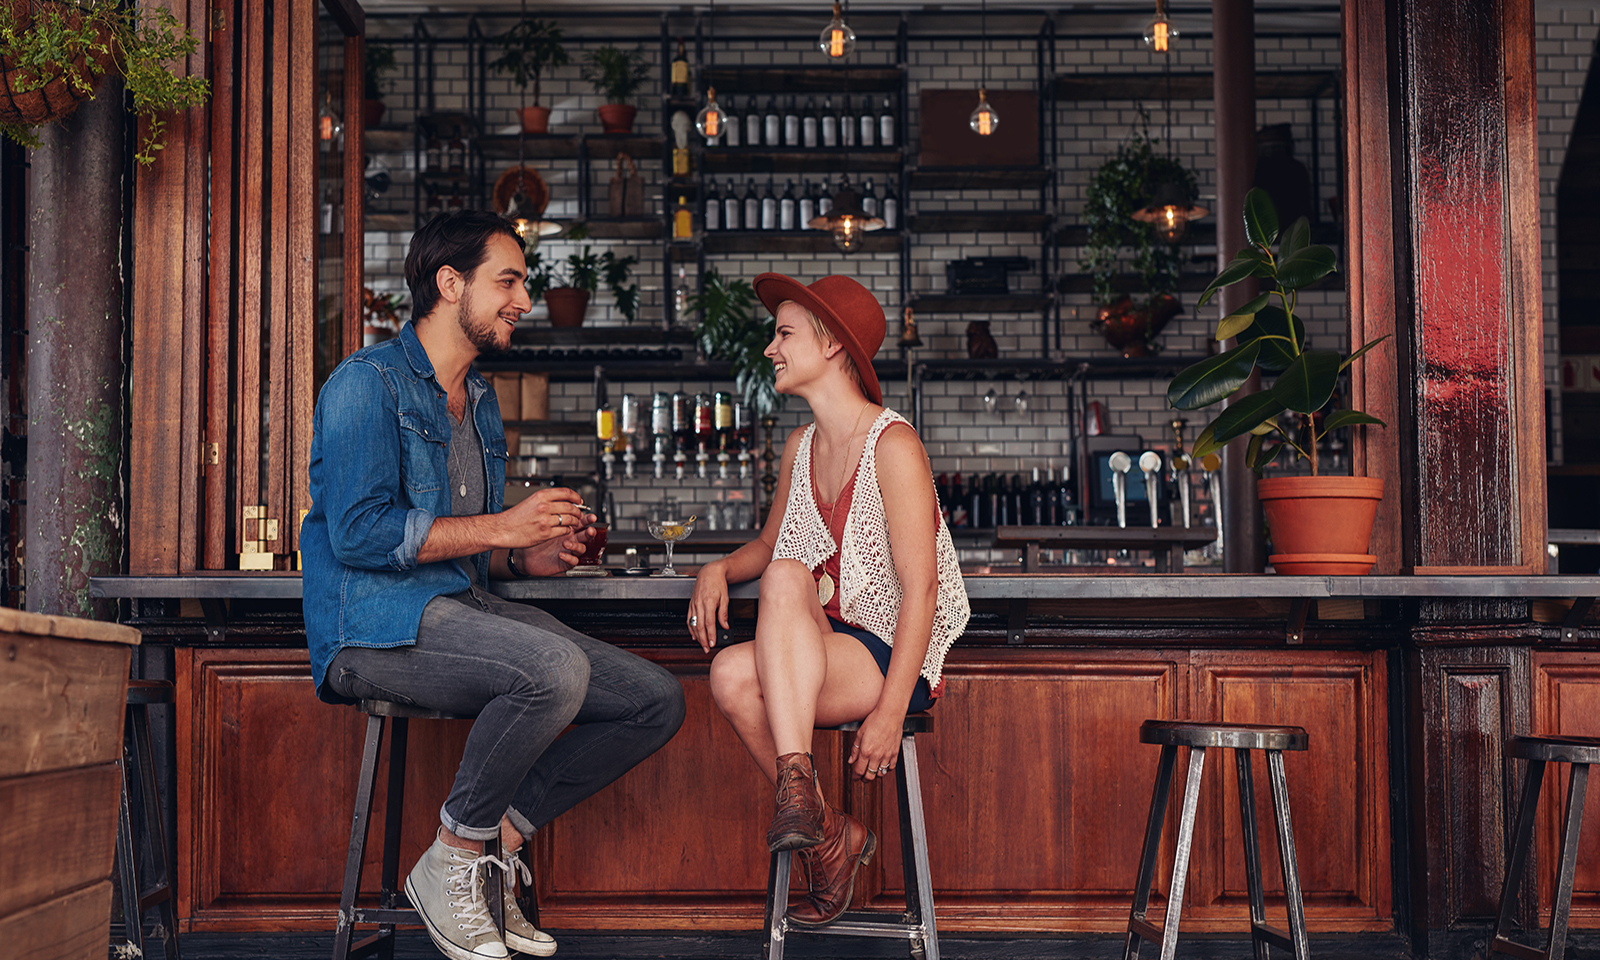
(849,311)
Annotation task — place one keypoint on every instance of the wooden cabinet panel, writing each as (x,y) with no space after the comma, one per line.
(1566,700)
(1338,789)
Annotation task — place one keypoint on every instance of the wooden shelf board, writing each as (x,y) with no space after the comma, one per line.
(978,222)
(796,241)
(775,80)
(955,303)
(390,220)
(1204,233)
(1292,85)
(535,146)
(605,146)
(758,160)
(624,228)
(388,139)
(989,178)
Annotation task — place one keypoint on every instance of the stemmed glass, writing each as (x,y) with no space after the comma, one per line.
(666,527)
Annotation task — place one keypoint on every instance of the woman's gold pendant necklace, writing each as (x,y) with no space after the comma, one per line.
(825,589)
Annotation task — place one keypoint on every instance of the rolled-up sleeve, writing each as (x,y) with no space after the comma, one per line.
(355,473)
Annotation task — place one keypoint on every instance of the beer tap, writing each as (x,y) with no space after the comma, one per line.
(1150,464)
(630,432)
(1120,464)
(1211,463)
(1180,468)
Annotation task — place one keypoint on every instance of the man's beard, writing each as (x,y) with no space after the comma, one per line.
(482,337)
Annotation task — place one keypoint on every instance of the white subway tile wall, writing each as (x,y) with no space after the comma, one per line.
(953,416)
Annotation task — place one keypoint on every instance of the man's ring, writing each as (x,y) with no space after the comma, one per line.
(561,519)
(694,621)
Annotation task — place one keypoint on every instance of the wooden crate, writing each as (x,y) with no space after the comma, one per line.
(63,687)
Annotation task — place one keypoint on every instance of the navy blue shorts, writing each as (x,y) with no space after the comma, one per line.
(921,699)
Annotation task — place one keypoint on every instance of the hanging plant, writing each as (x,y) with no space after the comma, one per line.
(1117,243)
(731,329)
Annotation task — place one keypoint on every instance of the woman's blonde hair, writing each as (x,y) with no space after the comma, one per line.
(828,339)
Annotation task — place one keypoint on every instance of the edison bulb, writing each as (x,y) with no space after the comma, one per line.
(710,120)
(1160,33)
(837,40)
(984,119)
(847,234)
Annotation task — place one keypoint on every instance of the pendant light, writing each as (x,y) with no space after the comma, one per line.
(526,216)
(1159,33)
(837,40)
(984,119)
(1171,208)
(710,120)
(846,220)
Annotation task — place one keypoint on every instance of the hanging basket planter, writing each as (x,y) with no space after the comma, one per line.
(23,100)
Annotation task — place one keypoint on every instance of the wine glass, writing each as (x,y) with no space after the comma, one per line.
(666,527)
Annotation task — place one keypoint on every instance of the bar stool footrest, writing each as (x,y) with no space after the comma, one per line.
(867,925)
(1146,930)
(1513,949)
(1272,935)
(393,915)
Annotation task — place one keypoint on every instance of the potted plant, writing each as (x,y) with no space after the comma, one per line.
(732,329)
(617,75)
(529,48)
(54,54)
(1319,524)
(379,60)
(565,284)
(1122,186)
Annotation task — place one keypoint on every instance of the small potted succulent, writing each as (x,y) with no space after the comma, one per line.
(379,60)
(617,75)
(1319,524)
(527,50)
(566,284)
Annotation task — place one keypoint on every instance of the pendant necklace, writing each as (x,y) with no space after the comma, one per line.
(825,585)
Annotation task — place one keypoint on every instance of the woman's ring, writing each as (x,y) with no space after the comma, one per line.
(883,770)
(694,621)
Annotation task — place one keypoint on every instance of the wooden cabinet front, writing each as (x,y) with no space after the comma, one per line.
(1035,784)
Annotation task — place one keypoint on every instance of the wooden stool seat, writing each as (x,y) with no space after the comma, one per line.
(916,924)
(139,779)
(1198,738)
(392,908)
(1579,752)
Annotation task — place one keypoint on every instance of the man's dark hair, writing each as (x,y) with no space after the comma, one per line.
(460,240)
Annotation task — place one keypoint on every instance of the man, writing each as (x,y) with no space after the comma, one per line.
(408,464)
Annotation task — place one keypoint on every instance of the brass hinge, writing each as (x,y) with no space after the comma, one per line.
(219,19)
(257,531)
(210,456)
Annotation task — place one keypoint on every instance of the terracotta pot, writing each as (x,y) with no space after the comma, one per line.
(1131,329)
(617,117)
(1321,526)
(371,113)
(567,306)
(535,119)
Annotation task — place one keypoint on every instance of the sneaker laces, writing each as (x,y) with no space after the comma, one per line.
(464,887)
(513,867)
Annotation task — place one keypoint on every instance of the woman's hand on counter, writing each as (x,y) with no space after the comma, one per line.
(708,607)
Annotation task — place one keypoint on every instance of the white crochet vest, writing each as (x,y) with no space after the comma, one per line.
(869,588)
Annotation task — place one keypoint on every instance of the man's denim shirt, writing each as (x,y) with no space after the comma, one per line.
(378,480)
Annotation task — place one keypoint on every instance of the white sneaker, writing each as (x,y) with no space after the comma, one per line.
(446,888)
(521,935)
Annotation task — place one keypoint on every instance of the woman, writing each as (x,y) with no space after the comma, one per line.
(861,594)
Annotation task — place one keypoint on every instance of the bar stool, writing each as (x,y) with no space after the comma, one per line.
(916,924)
(139,773)
(1243,738)
(1580,752)
(389,911)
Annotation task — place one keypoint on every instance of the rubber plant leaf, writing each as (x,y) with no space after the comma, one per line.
(1306,267)
(1347,418)
(1213,379)
(1239,321)
(1308,384)
(1273,322)
(1241,267)
(1260,218)
(1205,443)
(1243,416)
(1358,354)
(1295,239)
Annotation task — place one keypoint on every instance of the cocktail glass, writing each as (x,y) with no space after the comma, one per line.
(669,530)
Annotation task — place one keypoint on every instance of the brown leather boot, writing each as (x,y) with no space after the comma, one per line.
(830,869)
(797,819)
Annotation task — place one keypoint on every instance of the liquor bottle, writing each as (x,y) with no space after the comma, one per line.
(456,155)
(824,201)
(713,208)
(847,124)
(605,431)
(682,429)
(682,221)
(769,209)
(1067,500)
(730,208)
(773,123)
(680,73)
(680,300)
(994,495)
(869,199)
(752,123)
(1015,498)
(976,501)
(791,124)
(1005,513)
(752,206)
(434,206)
(628,429)
(730,124)
(869,122)
(786,208)
(704,435)
(891,207)
(830,124)
(433,155)
(807,209)
(808,124)
(722,423)
(743,437)
(886,123)
(1051,516)
(958,504)
(1033,508)
(660,430)
(941,492)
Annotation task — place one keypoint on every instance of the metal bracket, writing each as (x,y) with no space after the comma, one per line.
(1298,608)
(1574,618)
(1017,622)
(216,611)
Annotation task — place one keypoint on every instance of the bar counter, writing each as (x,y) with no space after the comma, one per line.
(1035,782)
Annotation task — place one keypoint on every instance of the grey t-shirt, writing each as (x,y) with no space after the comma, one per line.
(469,488)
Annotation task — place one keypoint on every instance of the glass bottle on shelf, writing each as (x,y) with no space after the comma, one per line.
(433,154)
(730,208)
(605,431)
(680,299)
(705,438)
(680,73)
(713,207)
(830,124)
(773,124)
(682,221)
(457,156)
(869,122)
(786,209)
(628,430)
(769,209)
(824,200)
(682,429)
(731,127)
(807,208)
(752,206)
(660,431)
(847,124)
(808,124)
(1033,509)
(891,207)
(752,123)
(791,124)
(1066,499)
(722,423)
(434,205)
(1050,515)
(886,123)
(869,199)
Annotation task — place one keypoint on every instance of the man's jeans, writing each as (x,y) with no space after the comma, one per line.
(526,676)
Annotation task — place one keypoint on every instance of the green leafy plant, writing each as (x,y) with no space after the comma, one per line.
(1273,339)
(583,269)
(77,45)
(1122,185)
(528,49)
(616,74)
(380,60)
(732,329)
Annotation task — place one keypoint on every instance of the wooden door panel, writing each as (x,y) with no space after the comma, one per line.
(1338,788)
(1566,700)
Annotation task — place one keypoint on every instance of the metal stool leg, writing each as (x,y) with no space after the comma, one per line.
(1286,854)
(1180,864)
(358,838)
(1138,927)
(777,904)
(394,803)
(128,861)
(1521,844)
(914,850)
(138,773)
(1252,852)
(163,895)
(1577,787)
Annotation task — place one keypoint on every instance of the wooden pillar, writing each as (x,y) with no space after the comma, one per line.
(1443,251)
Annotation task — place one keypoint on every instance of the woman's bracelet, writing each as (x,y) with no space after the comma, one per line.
(511,564)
